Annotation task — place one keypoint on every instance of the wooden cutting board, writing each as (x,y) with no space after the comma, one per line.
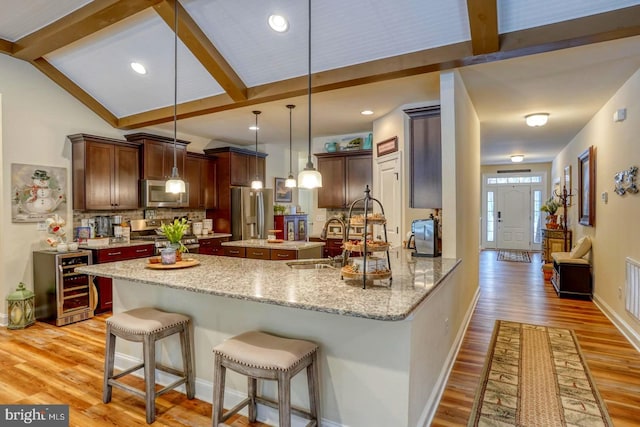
(187,262)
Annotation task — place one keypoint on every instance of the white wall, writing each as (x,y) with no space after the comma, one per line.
(616,234)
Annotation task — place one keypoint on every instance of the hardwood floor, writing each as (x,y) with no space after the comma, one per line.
(44,364)
(517,292)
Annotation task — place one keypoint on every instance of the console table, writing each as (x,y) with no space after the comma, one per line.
(557,240)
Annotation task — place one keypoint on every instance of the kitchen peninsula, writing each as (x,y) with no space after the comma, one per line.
(376,344)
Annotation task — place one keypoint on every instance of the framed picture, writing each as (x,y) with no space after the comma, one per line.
(38,192)
(282,193)
(586,183)
(567,183)
(387,146)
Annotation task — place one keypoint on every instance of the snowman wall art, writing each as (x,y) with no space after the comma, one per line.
(38,192)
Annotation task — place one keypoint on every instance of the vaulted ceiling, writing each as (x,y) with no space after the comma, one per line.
(515,56)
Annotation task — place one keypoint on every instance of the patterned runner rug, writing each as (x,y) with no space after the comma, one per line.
(513,256)
(536,376)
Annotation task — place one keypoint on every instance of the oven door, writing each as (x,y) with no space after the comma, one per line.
(154,195)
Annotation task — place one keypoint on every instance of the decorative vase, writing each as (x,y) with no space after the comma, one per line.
(552,222)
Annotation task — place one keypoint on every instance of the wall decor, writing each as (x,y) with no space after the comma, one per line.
(625,181)
(283,194)
(38,192)
(387,146)
(586,183)
(567,182)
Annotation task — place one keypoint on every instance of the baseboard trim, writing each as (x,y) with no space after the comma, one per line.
(4,319)
(204,392)
(433,402)
(630,334)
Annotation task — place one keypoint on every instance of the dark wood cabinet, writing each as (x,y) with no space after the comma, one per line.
(425,186)
(233,251)
(104,285)
(293,227)
(572,278)
(200,174)
(283,254)
(332,247)
(157,155)
(258,253)
(105,173)
(234,167)
(212,246)
(344,177)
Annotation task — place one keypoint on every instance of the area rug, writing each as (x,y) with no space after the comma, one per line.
(536,376)
(513,256)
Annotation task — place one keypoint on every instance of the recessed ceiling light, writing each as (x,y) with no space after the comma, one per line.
(366,112)
(537,119)
(278,23)
(517,158)
(138,68)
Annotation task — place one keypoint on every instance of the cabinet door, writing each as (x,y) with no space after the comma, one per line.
(426,160)
(127,174)
(301,228)
(193,176)
(209,183)
(154,160)
(235,251)
(99,178)
(282,254)
(332,192)
(359,174)
(181,155)
(258,253)
(239,169)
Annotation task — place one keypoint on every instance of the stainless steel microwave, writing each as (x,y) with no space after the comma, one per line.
(154,195)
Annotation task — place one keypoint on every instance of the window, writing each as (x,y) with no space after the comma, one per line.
(490,217)
(537,203)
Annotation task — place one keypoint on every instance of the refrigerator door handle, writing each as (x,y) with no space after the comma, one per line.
(260,215)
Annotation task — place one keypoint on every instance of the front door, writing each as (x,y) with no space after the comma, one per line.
(514,216)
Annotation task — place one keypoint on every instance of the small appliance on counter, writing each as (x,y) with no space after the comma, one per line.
(425,237)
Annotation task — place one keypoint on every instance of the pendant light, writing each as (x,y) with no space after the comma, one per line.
(291,181)
(309,177)
(256,184)
(175,184)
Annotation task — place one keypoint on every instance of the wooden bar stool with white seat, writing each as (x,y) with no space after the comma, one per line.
(148,325)
(259,355)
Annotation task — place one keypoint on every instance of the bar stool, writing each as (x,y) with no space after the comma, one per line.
(148,325)
(264,356)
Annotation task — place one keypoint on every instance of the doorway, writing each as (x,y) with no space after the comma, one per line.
(511,217)
(390,192)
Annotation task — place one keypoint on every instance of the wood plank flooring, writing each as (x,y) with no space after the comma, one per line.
(44,364)
(516,291)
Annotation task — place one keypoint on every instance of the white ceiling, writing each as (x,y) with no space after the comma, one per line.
(570,84)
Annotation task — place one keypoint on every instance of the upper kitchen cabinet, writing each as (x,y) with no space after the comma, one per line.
(426,158)
(105,173)
(200,174)
(157,155)
(237,166)
(344,177)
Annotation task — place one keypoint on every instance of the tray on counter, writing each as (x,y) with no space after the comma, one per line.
(378,275)
(186,262)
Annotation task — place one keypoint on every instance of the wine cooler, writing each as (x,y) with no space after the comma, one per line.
(62,295)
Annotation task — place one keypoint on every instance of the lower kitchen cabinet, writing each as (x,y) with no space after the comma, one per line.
(258,253)
(235,251)
(332,247)
(212,246)
(121,253)
(282,254)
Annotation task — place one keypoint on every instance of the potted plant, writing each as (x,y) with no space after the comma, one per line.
(174,232)
(551,207)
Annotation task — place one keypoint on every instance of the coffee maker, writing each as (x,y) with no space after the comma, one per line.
(425,237)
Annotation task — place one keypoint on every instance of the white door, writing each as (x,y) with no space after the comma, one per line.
(389,194)
(513,215)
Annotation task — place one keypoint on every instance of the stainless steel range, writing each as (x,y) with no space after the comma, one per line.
(145,229)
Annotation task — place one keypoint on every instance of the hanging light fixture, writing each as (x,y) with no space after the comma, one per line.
(175,184)
(256,184)
(291,181)
(309,177)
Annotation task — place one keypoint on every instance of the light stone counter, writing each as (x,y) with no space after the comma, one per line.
(213,236)
(294,245)
(274,282)
(118,244)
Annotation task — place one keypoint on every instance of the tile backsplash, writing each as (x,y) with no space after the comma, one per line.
(195,214)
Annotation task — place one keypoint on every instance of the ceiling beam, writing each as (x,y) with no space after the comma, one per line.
(6,47)
(483,23)
(68,85)
(77,25)
(199,44)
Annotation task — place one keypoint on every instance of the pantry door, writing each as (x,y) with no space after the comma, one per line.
(514,216)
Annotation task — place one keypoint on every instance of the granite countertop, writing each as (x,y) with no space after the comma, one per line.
(274,282)
(261,243)
(118,244)
(212,236)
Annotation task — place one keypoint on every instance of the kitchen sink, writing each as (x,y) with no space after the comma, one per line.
(310,264)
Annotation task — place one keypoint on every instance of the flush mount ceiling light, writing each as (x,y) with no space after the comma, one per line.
(138,68)
(256,184)
(309,177)
(291,181)
(366,112)
(537,119)
(278,23)
(175,184)
(517,158)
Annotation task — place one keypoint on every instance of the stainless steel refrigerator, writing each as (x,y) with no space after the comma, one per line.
(251,213)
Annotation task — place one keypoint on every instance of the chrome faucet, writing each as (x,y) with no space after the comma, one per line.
(323,236)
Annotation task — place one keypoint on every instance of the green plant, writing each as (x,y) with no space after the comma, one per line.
(279,209)
(174,232)
(550,206)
